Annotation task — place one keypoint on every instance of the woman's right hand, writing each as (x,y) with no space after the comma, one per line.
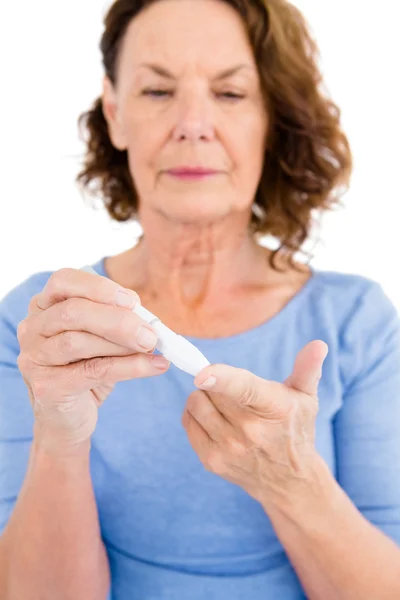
(80,337)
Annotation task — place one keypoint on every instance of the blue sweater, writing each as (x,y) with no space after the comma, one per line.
(174,531)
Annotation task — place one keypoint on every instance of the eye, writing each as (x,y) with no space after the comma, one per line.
(156,93)
(231,96)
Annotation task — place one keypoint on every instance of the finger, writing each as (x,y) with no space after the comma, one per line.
(307,369)
(117,325)
(33,307)
(197,436)
(201,408)
(72,346)
(74,283)
(243,389)
(77,378)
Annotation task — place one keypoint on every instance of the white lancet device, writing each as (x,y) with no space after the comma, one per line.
(175,348)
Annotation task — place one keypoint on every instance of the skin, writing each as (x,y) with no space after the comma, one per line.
(195,265)
(197,257)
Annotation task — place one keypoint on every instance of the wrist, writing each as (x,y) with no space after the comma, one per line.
(47,445)
(313,491)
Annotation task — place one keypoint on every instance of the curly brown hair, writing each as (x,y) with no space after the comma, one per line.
(308,161)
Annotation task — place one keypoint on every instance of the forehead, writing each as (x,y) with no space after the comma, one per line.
(180,33)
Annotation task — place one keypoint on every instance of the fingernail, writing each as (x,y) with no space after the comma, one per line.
(126,299)
(208,383)
(146,338)
(160,362)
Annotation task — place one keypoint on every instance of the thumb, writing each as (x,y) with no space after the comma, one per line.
(308,368)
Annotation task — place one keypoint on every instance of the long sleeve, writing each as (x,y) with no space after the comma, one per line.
(367,428)
(16,416)
(329,539)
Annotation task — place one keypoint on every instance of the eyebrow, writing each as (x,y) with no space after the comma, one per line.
(222,75)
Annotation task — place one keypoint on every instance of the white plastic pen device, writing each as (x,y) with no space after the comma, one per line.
(174,347)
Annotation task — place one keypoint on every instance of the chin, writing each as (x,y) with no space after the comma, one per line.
(196,211)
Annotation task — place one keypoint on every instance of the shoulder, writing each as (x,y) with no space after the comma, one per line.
(366,324)
(14,305)
(349,285)
(13,309)
(351,295)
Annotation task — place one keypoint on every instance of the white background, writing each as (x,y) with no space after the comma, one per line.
(51,72)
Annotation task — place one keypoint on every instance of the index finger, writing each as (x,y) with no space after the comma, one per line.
(33,307)
(244,388)
(77,283)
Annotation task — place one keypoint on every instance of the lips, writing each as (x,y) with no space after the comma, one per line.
(191,172)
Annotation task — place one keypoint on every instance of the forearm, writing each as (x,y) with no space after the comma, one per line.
(336,552)
(52,546)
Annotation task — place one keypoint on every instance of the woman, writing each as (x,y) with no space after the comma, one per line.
(249,482)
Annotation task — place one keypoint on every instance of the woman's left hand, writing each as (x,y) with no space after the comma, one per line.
(256,433)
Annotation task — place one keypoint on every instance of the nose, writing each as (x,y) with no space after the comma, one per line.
(194,120)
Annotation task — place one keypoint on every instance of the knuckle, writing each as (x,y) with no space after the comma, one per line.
(39,355)
(248,396)
(214,463)
(125,322)
(141,365)
(55,280)
(21,330)
(68,313)
(40,387)
(193,400)
(235,447)
(32,306)
(67,343)
(98,367)
(248,391)
(59,276)
(24,363)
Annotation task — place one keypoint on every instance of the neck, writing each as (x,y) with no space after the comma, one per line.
(194,264)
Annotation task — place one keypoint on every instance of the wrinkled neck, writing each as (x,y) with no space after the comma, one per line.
(194,264)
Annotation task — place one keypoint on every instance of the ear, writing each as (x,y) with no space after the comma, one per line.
(112,115)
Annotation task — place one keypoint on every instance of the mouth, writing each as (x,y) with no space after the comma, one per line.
(191,173)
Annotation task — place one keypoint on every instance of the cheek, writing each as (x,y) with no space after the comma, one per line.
(254,143)
(247,152)
(245,146)
(246,131)
(145,143)
(255,136)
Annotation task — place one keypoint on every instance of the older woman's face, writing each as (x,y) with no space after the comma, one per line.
(188,95)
